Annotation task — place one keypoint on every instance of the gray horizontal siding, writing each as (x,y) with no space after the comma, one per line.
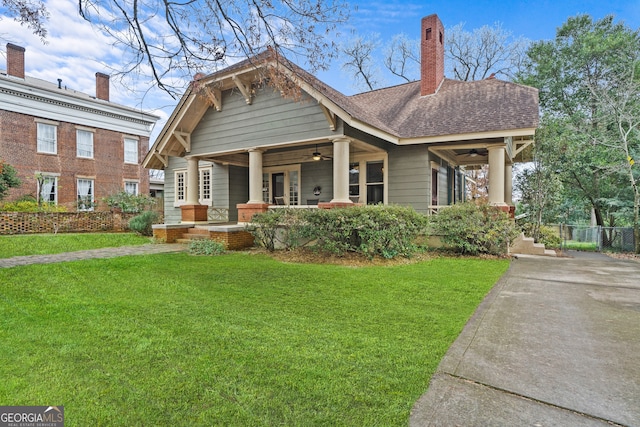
(238,189)
(270,119)
(172,214)
(409,176)
(316,174)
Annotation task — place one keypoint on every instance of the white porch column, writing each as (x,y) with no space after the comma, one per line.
(341,171)
(255,176)
(192,181)
(496,175)
(508,184)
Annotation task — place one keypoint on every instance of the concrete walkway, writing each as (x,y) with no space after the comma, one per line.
(155,248)
(555,343)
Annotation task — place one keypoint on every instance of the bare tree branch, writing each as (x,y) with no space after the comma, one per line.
(359,62)
(31,13)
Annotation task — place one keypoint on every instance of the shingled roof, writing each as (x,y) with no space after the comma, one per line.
(456,108)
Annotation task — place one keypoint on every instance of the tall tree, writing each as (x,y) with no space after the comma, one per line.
(172,41)
(619,119)
(573,72)
(469,56)
(475,55)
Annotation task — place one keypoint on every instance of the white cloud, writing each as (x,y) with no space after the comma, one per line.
(74,51)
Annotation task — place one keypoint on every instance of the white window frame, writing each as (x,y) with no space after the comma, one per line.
(362,161)
(48,177)
(288,196)
(131,156)
(180,187)
(84,148)
(205,195)
(91,194)
(136,186)
(42,127)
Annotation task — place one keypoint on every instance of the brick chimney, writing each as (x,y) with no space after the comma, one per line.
(15,60)
(102,86)
(431,54)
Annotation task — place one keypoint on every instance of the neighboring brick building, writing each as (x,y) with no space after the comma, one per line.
(82,147)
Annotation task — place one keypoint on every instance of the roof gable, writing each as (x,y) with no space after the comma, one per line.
(398,114)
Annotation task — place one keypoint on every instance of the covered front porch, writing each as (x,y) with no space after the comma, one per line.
(319,173)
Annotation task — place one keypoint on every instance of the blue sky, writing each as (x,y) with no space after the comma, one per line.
(75,51)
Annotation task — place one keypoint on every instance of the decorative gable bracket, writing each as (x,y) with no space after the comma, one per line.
(329,115)
(214,96)
(245,88)
(184,139)
(163,159)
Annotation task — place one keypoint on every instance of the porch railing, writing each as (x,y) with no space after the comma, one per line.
(217,214)
(434,209)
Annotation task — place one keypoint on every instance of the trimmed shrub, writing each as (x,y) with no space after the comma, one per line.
(30,205)
(142,223)
(205,247)
(473,229)
(386,231)
(129,203)
(279,228)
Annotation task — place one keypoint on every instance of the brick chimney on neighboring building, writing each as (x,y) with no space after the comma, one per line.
(102,86)
(15,60)
(431,55)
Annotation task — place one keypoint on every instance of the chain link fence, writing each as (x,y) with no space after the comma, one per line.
(615,239)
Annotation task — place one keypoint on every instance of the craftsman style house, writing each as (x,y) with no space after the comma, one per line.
(235,146)
(69,148)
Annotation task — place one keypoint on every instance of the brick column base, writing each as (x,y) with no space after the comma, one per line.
(194,213)
(247,210)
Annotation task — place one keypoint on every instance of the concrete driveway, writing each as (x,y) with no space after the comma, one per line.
(555,343)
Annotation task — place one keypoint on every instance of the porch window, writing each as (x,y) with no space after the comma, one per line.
(293,188)
(375,182)
(354,181)
(180,193)
(205,186)
(367,179)
(204,190)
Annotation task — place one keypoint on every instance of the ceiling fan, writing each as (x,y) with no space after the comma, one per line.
(475,153)
(316,155)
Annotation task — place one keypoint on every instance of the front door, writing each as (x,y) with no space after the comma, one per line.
(277,186)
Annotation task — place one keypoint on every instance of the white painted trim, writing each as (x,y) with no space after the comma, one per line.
(61,105)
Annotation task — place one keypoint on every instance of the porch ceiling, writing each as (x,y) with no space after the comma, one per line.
(475,153)
(290,153)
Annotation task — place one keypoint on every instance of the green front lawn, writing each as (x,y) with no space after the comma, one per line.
(234,340)
(43,244)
